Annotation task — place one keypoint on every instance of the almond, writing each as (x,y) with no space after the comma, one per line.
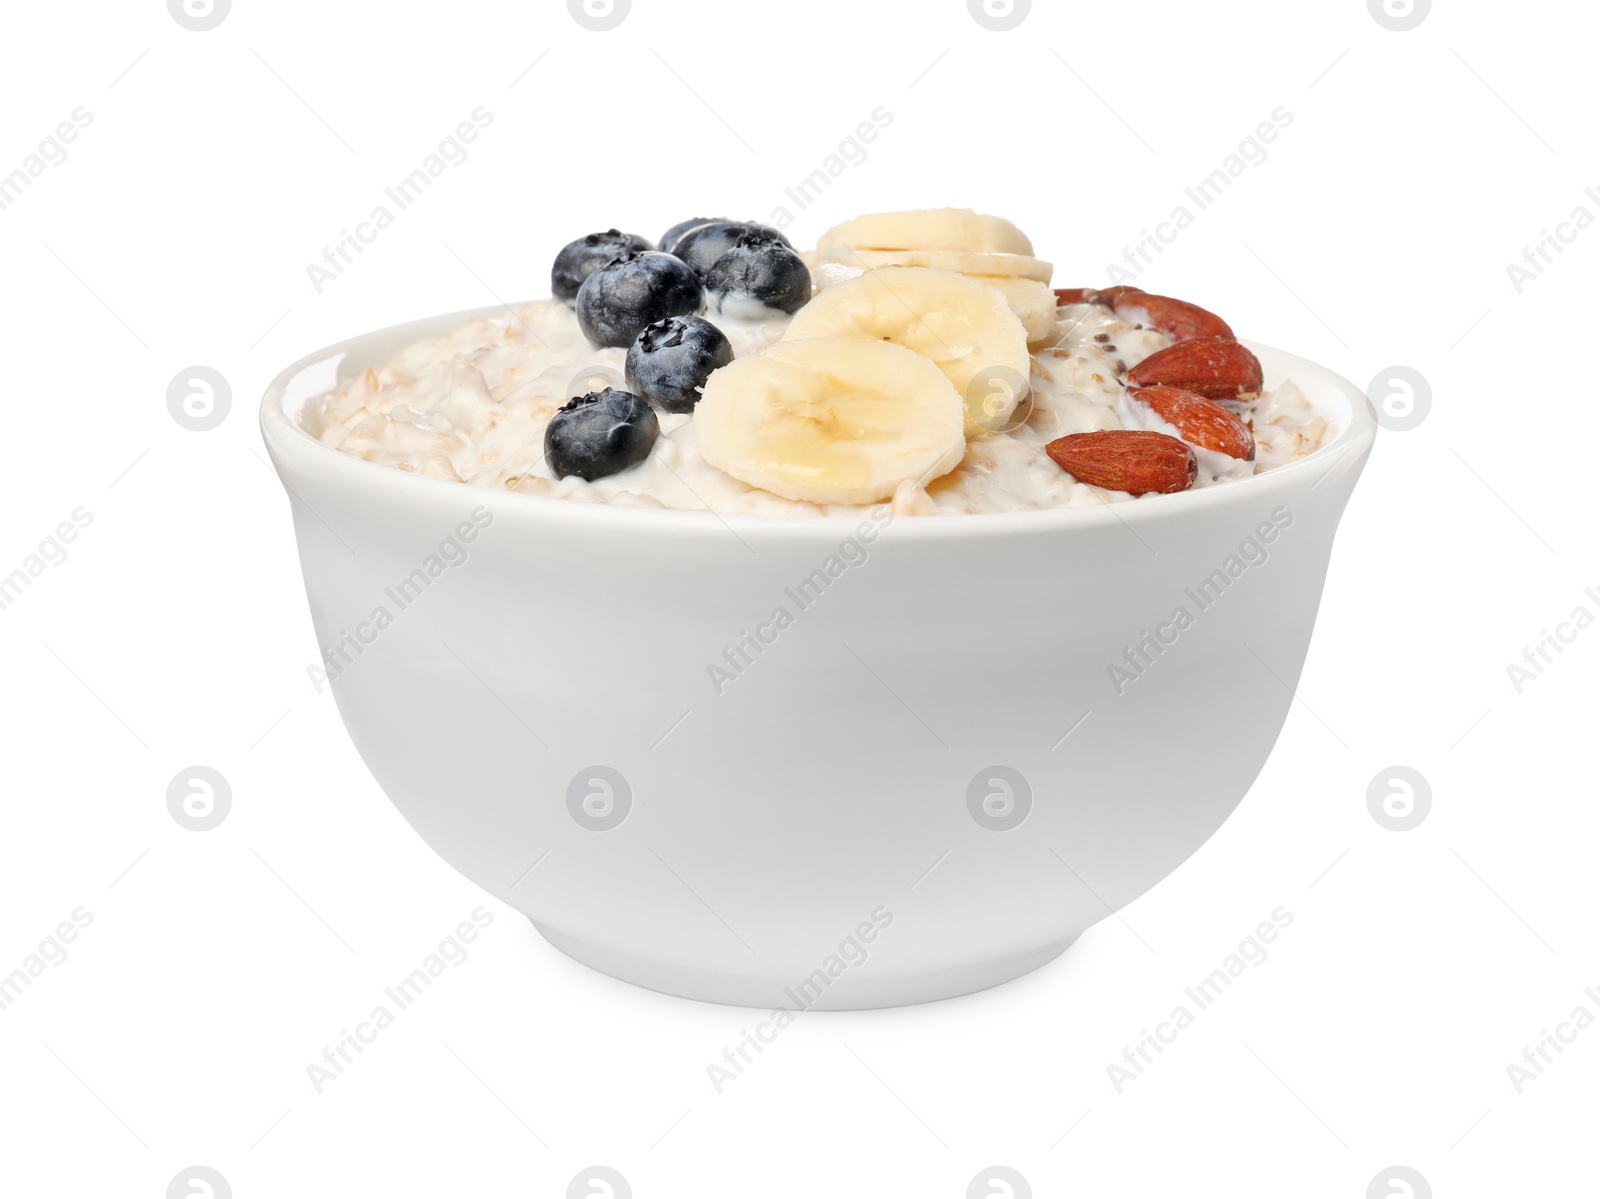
(1131,460)
(1209,367)
(1199,421)
(1178,319)
(1109,296)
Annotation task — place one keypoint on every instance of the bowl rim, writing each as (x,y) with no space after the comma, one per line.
(292,447)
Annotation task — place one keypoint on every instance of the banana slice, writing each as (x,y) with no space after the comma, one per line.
(960,262)
(831,420)
(963,326)
(1033,302)
(928,229)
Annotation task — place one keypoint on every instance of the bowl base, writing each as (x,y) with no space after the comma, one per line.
(846,994)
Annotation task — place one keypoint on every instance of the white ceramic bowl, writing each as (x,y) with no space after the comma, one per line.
(838,828)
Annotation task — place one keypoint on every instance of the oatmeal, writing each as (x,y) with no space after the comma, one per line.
(837,413)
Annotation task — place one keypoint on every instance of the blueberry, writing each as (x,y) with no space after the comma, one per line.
(599,434)
(701,246)
(578,258)
(669,239)
(758,272)
(624,295)
(672,359)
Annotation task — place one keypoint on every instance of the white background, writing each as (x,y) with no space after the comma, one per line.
(1377,232)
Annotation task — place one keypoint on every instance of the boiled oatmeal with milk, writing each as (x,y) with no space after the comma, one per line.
(916,359)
